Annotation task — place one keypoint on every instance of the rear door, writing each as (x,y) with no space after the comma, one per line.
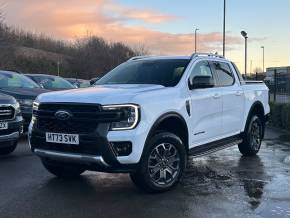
(232,98)
(206,104)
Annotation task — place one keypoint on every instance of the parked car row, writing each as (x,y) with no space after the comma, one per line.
(17,94)
(79,83)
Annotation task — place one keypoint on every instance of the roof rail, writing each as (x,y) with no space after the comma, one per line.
(206,55)
(139,57)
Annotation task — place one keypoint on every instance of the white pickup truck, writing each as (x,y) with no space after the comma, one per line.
(147,116)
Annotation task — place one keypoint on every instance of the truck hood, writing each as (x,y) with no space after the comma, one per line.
(5,99)
(105,94)
(23,93)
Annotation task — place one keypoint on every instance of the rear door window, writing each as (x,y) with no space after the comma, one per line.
(224,74)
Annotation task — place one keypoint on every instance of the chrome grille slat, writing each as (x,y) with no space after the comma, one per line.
(6,112)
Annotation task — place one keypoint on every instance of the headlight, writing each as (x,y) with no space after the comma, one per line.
(25,102)
(129,118)
(17,108)
(35,106)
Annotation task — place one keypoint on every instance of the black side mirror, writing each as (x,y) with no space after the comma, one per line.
(201,82)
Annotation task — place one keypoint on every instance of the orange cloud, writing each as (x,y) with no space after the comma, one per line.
(137,14)
(107,19)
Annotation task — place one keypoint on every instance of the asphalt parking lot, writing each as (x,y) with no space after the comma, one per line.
(223,184)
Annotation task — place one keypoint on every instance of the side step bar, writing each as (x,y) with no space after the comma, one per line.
(212,147)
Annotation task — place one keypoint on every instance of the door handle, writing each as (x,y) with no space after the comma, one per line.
(216,96)
(238,93)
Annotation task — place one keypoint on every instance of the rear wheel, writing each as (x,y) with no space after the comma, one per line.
(252,138)
(63,170)
(8,150)
(162,164)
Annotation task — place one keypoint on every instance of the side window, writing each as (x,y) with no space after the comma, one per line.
(202,68)
(224,73)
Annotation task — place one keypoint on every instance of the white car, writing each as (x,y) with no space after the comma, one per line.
(146,116)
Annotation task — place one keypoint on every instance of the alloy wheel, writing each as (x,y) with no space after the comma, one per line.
(164,164)
(256,135)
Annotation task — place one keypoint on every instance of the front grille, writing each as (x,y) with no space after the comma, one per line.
(84,120)
(6,112)
(70,126)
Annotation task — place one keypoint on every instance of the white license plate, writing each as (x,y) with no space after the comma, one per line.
(3,126)
(60,138)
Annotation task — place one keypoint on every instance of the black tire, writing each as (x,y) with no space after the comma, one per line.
(8,150)
(63,170)
(170,163)
(252,137)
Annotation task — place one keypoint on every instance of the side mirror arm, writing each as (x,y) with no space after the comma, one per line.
(190,86)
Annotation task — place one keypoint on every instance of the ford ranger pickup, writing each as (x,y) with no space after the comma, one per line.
(147,116)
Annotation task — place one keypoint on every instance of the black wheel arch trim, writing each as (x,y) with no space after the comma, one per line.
(256,103)
(160,119)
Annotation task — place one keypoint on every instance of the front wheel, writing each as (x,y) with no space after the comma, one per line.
(252,138)
(162,164)
(63,170)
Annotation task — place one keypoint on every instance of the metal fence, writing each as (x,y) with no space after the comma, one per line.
(279,87)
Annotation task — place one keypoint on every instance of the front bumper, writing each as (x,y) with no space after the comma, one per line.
(95,152)
(12,134)
(8,140)
(99,149)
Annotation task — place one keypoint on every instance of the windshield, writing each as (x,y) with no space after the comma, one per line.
(15,80)
(165,72)
(50,82)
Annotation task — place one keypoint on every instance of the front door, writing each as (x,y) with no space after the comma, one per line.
(206,104)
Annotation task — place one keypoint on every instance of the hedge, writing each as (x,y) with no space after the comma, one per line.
(280,115)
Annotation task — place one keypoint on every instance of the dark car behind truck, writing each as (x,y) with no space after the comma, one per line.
(11,124)
(51,82)
(23,89)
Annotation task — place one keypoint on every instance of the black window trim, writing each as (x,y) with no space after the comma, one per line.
(216,74)
(238,73)
(212,72)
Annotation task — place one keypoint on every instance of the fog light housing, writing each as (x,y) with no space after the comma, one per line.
(122,148)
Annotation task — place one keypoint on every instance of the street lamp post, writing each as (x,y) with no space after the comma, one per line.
(262,47)
(58,67)
(245,35)
(195,38)
(224,30)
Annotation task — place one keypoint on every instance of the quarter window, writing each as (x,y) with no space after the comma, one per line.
(224,73)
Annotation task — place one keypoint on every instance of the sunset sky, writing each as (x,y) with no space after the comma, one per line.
(165,27)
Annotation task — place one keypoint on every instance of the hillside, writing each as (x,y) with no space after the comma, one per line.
(36,53)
